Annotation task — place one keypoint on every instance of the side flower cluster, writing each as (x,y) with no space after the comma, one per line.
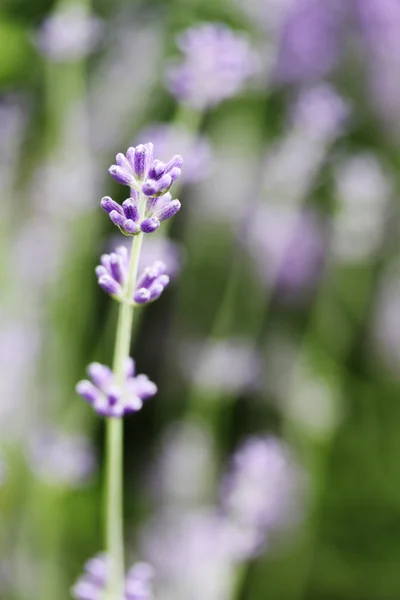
(108,398)
(127,217)
(112,275)
(92,584)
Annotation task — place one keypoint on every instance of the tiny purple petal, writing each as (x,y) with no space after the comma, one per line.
(109,285)
(117,218)
(150,225)
(131,227)
(123,162)
(129,367)
(87,390)
(141,296)
(175,173)
(139,164)
(157,169)
(121,175)
(113,395)
(130,155)
(101,375)
(109,205)
(101,270)
(168,211)
(143,387)
(157,187)
(176,161)
(117,268)
(155,291)
(130,209)
(163,280)
(148,276)
(105,261)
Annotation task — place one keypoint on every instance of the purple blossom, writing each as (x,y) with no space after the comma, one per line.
(260,492)
(141,172)
(92,584)
(379,23)
(288,247)
(113,273)
(309,44)
(217,63)
(69,34)
(107,397)
(127,217)
(168,138)
(320,111)
(61,459)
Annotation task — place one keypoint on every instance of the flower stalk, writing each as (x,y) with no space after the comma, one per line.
(114,436)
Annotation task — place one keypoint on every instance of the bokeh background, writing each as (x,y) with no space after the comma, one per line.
(279,335)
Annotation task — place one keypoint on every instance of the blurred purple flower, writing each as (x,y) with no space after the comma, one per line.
(112,276)
(69,35)
(61,459)
(169,138)
(288,247)
(107,398)
(92,584)
(261,491)
(321,111)
(217,62)
(310,39)
(192,554)
(379,22)
(226,366)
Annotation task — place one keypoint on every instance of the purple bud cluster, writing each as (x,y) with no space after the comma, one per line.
(138,170)
(91,585)
(112,276)
(127,217)
(107,397)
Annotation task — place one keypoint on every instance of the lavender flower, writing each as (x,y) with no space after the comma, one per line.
(309,44)
(168,137)
(138,170)
(107,398)
(261,489)
(288,248)
(69,35)
(113,277)
(127,216)
(61,459)
(92,584)
(217,62)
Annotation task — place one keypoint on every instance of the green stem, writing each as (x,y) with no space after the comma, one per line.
(114,434)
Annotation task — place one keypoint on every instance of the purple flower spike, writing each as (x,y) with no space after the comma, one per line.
(140,171)
(143,174)
(92,584)
(107,398)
